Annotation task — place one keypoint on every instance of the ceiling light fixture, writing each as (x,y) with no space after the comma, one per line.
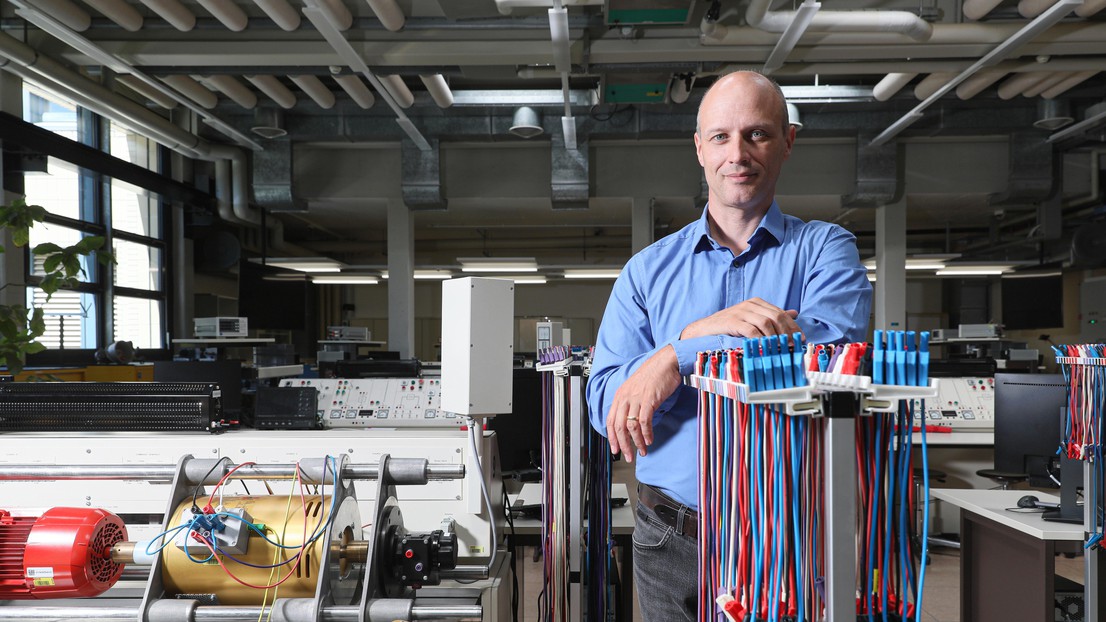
(498,264)
(1052,114)
(345,279)
(426,275)
(527,280)
(303,264)
(526,123)
(974,269)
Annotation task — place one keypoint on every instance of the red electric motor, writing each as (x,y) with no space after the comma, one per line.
(64,553)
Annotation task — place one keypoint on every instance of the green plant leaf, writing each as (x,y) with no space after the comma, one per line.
(46,248)
(51,263)
(87,245)
(34,348)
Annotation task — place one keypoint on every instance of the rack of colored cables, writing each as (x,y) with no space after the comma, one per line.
(789,527)
(576,486)
(1084,369)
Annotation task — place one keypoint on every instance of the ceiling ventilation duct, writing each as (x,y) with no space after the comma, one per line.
(268,123)
(1052,114)
(526,123)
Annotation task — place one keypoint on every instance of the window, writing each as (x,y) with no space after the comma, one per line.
(70,318)
(126,301)
(50,111)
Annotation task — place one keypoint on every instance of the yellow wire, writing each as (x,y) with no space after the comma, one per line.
(277,550)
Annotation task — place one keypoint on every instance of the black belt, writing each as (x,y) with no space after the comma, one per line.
(672,513)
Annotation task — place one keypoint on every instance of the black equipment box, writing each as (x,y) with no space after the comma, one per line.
(109,406)
(286,408)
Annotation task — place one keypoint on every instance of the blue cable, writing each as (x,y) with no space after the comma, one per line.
(925,524)
(906,413)
(888,515)
(872,483)
(757,491)
(777,494)
(795,424)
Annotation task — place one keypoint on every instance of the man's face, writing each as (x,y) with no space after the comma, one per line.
(741,143)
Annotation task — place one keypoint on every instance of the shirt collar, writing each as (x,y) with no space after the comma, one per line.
(772,225)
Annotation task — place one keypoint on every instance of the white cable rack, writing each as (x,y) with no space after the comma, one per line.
(840,398)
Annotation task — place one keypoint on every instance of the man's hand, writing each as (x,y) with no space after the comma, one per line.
(751,318)
(630,420)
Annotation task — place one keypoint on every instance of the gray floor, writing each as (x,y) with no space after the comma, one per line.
(941,602)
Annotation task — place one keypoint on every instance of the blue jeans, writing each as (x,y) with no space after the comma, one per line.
(665,570)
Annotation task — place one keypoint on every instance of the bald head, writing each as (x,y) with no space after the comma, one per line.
(741,84)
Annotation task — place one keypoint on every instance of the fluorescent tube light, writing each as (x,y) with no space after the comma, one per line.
(303,264)
(498,264)
(972,271)
(345,279)
(527,280)
(426,275)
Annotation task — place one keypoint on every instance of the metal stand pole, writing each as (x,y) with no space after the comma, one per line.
(840,467)
(576,494)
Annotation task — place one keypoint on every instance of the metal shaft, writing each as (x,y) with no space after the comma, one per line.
(223,614)
(165,472)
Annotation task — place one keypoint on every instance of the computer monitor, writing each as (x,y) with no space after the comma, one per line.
(1027,425)
(520,432)
(226,372)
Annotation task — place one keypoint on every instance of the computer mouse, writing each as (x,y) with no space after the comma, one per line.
(1028,501)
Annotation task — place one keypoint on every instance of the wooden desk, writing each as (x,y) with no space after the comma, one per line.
(1007,559)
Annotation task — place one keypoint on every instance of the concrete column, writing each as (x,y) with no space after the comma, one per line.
(401,278)
(890,298)
(641,223)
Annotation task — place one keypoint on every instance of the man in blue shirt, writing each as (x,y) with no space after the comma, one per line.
(742,270)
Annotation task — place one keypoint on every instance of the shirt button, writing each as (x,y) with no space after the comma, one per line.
(737,262)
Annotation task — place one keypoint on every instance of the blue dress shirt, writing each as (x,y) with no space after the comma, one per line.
(812,267)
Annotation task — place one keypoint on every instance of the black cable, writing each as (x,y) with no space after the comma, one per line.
(511,550)
(196,491)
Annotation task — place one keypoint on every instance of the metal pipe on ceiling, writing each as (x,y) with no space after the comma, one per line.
(389,14)
(1090,7)
(976,84)
(315,89)
(1016,85)
(228,13)
(506,7)
(1033,8)
(1070,82)
(144,90)
(978,9)
(173,12)
(235,90)
(438,89)
(67,13)
(943,35)
(892,83)
(758,16)
(192,90)
(395,86)
(929,84)
(274,89)
(340,15)
(356,89)
(1050,81)
(119,12)
(282,13)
